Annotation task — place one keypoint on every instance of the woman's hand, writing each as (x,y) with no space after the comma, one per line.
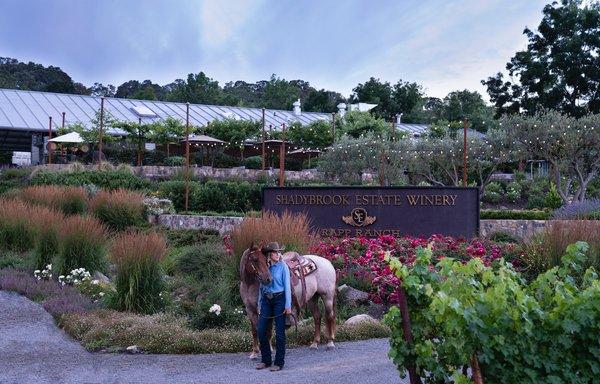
(288,311)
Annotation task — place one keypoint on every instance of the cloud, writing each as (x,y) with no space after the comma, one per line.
(221,21)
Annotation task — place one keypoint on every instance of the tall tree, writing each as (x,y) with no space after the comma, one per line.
(35,77)
(409,98)
(322,101)
(197,89)
(99,89)
(280,93)
(560,69)
(376,92)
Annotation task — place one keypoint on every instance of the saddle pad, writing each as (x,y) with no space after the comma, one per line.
(307,266)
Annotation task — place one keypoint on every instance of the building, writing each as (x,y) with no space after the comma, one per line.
(25,115)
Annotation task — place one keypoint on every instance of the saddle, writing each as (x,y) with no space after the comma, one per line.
(299,267)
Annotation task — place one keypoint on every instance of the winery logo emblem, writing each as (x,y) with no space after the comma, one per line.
(359,218)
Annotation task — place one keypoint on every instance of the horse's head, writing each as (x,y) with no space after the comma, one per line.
(256,264)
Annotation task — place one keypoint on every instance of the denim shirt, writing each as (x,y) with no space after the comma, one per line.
(280,283)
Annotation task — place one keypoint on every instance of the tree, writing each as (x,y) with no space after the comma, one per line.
(316,135)
(410,100)
(349,158)
(234,132)
(197,89)
(146,90)
(35,77)
(138,134)
(91,134)
(99,89)
(279,94)
(167,132)
(439,160)
(460,104)
(376,92)
(570,145)
(561,67)
(356,124)
(322,101)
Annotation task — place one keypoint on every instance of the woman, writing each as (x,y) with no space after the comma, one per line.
(274,303)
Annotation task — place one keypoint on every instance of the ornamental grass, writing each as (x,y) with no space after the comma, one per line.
(16,233)
(546,249)
(118,209)
(138,279)
(289,229)
(69,200)
(83,244)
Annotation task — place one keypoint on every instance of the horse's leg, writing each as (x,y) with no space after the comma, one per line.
(254,325)
(329,301)
(313,305)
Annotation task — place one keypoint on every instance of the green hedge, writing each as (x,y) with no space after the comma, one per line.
(504,214)
(213,196)
(102,179)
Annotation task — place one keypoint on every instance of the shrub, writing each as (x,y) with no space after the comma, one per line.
(504,237)
(513,192)
(10,259)
(553,199)
(175,191)
(138,279)
(493,192)
(361,261)
(505,214)
(202,260)
(183,237)
(83,244)
(589,209)
(47,244)
(175,161)
(57,300)
(164,333)
(108,179)
(118,209)
(253,162)
(69,200)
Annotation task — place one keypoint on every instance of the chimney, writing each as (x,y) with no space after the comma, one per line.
(297,110)
(341,109)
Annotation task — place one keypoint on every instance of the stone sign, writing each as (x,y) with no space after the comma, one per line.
(376,211)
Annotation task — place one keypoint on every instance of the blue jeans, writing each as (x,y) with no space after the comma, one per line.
(272,309)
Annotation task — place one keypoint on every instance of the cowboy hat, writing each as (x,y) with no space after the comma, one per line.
(272,247)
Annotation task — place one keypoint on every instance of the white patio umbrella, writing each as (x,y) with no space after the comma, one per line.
(72,137)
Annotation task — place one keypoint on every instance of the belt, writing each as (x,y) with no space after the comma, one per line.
(270,295)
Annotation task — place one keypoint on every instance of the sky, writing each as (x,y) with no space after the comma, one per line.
(443,45)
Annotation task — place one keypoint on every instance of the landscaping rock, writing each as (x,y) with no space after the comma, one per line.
(133,349)
(363,318)
(353,296)
(100,277)
(377,310)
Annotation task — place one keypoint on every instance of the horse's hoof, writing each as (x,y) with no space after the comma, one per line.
(330,346)
(253,356)
(314,346)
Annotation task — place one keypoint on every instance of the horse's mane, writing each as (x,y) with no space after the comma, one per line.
(243,261)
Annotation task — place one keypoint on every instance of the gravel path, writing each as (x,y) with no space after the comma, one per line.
(34,350)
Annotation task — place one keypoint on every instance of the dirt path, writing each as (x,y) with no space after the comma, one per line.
(34,350)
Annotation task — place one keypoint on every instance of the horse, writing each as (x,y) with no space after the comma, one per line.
(319,284)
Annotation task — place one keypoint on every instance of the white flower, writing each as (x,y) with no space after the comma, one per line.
(49,267)
(101,294)
(95,282)
(216,309)
(37,271)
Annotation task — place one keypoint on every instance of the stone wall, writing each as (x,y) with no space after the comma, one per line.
(523,229)
(219,223)
(519,228)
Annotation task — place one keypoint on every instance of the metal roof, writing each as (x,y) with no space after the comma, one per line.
(30,111)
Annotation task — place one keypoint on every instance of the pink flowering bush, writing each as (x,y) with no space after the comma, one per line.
(360,260)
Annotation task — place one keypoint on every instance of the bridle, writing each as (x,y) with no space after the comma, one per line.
(254,269)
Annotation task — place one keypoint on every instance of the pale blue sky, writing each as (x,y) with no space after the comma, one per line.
(443,45)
